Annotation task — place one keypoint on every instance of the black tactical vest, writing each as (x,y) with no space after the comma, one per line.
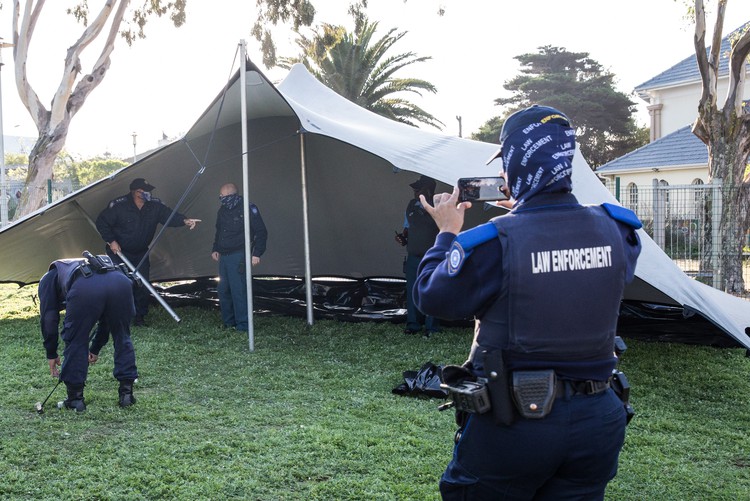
(66,270)
(564,272)
(422,229)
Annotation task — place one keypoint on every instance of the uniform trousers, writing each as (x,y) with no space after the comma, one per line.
(570,454)
(107,296)
(232,290)
(415,319)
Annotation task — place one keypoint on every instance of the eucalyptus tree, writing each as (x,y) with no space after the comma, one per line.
(726,132)
(76,83)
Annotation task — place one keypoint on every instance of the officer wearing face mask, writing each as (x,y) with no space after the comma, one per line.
(229,251)
(544,283)
(128,224)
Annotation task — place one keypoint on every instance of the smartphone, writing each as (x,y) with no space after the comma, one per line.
(481,189)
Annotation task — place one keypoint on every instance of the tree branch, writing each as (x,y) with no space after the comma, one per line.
(708,96)
(21,39)
(89,82)
(72,69)
(737,70)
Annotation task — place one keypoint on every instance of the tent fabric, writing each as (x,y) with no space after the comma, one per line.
(359,166)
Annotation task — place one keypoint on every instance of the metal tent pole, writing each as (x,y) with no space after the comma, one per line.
(246,197)
(306,226)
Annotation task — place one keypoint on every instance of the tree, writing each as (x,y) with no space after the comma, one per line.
(85,172)
(75,85)
(358,68)
(579,86)
(726,133)
(299,13)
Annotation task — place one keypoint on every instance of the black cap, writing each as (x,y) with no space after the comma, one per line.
(424,182)
(140,184)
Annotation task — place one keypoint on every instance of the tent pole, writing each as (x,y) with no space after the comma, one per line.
(132,268)
(306,225)
(246,197)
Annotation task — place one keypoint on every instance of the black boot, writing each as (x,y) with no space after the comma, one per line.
(75,398)
(126,393)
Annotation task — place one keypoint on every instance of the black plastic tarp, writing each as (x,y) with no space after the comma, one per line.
(384,299)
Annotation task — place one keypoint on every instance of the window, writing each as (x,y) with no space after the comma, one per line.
(632,197)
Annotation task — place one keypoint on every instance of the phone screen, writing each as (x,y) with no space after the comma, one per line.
(481,189)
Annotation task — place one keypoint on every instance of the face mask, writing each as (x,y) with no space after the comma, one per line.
(146,196)
(230,201)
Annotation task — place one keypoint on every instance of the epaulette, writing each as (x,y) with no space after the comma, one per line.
(118,200)
(623,215)
(465,243)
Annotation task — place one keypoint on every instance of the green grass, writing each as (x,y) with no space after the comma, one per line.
(310,415)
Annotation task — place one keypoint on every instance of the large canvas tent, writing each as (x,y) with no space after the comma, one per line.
(358,167)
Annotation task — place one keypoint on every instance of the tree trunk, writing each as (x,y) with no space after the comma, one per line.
(733,229)
(727,162)
(41,162)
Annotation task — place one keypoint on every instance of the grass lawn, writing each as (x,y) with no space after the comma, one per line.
(310,415)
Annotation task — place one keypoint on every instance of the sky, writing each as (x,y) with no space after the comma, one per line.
(162,84)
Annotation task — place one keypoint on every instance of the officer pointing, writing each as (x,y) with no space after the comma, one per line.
(544,283)
(128,225)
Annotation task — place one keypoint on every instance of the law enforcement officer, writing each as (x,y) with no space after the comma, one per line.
(128,225)
(87,293)
(229,250)
(418,235)
(544,283)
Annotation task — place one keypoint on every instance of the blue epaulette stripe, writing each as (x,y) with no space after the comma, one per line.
(620,213)
(471,238)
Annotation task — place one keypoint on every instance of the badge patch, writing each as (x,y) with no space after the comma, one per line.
(455,259)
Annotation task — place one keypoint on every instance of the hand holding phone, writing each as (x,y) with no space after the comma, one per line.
(481,189)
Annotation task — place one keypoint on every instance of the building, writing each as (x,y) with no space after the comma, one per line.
(675,156)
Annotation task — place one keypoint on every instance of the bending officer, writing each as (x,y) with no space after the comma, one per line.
(87,293)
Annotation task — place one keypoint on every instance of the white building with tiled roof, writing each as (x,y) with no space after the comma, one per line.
(674,156)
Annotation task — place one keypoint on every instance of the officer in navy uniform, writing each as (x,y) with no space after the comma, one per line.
(544,283)
(229,250)
(418,235)
(128,225)
(87,294)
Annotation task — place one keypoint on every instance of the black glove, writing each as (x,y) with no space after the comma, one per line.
(401,238)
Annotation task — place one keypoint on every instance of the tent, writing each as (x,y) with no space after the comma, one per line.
(357,170)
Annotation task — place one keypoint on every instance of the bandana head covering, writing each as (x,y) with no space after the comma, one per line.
(229,202)
(537,145)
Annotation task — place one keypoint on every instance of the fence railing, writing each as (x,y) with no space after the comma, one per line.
(683,221)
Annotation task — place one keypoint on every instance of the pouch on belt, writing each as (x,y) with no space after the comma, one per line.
(498,384)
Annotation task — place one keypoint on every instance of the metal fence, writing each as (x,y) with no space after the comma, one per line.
(678,218)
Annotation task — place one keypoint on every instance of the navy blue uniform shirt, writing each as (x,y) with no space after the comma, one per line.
(131,227)
(50,306)
(230,230)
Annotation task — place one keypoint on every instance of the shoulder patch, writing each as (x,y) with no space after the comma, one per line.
(118,200)
(465,243)
(623,215)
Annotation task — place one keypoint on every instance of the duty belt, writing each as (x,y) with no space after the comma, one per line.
(582,387)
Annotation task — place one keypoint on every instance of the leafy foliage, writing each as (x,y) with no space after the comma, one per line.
(357,67)
(139,16)
(578,86)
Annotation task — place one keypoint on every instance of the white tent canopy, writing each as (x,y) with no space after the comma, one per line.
(359,166)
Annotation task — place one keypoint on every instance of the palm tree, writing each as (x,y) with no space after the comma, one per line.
(357,68)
